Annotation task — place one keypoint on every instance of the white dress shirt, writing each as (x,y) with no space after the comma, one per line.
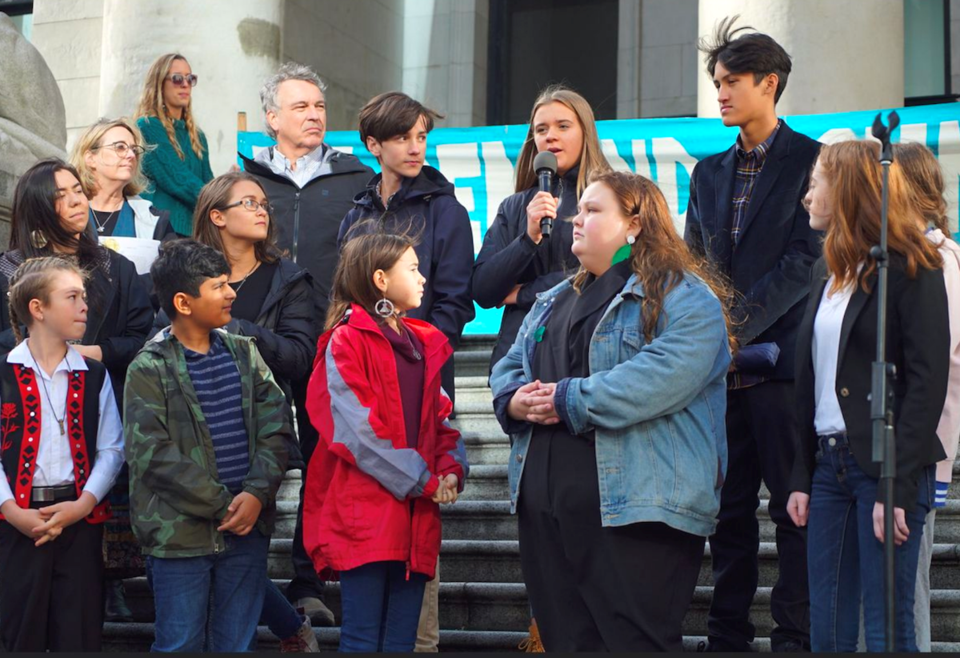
(54,463)
(309,166)
(828,418)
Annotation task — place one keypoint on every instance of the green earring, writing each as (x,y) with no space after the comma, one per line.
(623,253)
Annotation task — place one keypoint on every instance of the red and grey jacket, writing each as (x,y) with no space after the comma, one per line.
(368,496)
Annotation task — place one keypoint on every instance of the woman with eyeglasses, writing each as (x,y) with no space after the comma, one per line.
(179,163)
(108,157)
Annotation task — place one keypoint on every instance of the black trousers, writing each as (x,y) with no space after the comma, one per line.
(305,583)
(593,588)
(51,597)
(762,442)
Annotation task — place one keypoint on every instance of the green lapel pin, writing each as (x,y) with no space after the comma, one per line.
(538,335)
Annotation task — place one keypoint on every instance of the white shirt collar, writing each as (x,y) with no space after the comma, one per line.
(21,355)
(313,157)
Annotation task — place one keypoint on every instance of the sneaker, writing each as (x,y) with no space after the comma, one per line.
(316,611)
(305,641)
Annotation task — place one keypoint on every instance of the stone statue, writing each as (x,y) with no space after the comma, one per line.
(32,117)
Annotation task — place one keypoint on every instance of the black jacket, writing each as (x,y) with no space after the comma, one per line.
(509,257)
(425,207)
(118,319)
(918,342)
(286,333)
(287,326)
(770,268)
(308,219)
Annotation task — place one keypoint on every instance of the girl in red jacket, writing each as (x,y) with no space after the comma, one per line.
(388,456)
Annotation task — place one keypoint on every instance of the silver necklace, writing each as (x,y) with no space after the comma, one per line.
(102,226)
(43,383)
(244,279)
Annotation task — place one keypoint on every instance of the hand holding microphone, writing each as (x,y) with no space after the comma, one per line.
(542,209)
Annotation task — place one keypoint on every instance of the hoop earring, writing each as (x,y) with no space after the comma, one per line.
(38,239)
(385,308)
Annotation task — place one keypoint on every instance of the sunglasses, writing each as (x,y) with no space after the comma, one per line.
(178,79)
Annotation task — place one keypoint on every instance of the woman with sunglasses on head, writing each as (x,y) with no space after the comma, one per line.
(179,165)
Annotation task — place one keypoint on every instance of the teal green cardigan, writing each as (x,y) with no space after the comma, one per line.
(176,182)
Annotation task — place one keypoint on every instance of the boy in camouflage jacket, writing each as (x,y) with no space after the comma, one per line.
(203,503)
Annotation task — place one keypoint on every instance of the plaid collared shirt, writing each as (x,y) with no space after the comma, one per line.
(749,165)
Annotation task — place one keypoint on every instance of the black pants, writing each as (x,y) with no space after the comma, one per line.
(593,588)
(762,442)
(51,596)
(305,583)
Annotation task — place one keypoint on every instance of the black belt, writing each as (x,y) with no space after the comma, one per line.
(53,494)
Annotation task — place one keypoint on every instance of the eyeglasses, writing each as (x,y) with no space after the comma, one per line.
(121,149)
(178,79)
(252,205)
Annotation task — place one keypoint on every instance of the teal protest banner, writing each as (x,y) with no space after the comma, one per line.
(480,161)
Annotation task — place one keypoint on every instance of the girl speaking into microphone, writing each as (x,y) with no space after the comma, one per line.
(516,261)
(614,394)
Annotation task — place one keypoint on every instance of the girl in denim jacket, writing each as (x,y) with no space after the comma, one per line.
(614,393)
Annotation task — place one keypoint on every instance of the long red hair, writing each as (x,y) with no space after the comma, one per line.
(855,177)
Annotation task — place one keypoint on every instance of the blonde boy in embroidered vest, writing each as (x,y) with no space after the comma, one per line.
(61,448)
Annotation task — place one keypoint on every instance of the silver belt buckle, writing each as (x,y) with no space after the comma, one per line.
(42,495)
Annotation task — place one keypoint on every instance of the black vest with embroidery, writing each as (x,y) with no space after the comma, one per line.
(20,427)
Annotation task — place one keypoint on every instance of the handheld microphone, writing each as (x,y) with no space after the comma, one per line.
(545,164)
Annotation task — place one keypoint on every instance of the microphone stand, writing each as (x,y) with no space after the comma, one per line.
(881,392)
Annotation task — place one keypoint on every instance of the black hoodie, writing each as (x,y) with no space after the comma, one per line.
(426,206)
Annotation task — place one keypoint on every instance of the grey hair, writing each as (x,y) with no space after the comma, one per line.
(288,71)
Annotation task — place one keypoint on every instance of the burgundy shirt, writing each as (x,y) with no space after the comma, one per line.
(408,352)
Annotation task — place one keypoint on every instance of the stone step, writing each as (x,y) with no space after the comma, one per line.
(472,363)
(137,637)
(486,482)
(498,561)
(486,450)
(474,382)
(504,607)
(483,424)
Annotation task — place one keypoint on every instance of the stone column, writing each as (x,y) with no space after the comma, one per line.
(232,47)
(445,57)
(847,54)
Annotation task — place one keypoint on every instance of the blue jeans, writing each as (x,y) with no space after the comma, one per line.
(278,613)
(381,608)
(217,596)
(845,559)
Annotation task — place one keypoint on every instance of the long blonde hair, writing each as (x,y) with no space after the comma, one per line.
(151,104)
(591,160)
(90,139)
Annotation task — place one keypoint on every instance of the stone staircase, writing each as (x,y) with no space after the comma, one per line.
(483,604)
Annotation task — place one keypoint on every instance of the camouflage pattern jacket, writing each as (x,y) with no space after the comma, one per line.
(176,498)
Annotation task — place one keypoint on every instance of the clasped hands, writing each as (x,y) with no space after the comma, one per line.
(446,493)
(534,403)
(47,523)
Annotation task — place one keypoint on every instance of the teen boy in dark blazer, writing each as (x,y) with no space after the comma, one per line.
(746,217)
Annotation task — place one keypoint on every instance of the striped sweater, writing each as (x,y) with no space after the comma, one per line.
(216,380)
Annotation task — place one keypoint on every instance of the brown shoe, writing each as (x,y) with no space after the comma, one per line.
(305,641)
(532,643)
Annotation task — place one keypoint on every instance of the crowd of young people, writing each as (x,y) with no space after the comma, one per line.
(650,381)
